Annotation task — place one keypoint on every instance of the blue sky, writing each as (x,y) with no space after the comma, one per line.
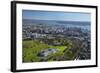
(53,15)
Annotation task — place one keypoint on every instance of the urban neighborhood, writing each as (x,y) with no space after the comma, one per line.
(44,42)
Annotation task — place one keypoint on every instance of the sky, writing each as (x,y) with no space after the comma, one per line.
(54,15)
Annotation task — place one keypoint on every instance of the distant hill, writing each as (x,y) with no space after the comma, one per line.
(53,22)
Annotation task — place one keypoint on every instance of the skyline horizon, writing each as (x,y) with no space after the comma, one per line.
(57,20)
(55,15)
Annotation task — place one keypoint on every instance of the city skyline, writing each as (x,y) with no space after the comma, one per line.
(54,15)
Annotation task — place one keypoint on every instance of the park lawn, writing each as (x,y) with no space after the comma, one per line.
(32,47)
(60,48)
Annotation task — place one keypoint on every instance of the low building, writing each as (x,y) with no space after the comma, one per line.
(47,52)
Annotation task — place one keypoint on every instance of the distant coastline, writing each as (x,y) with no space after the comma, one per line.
(32,21)
(71,24)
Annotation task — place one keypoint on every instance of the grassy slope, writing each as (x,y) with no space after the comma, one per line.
(32,48)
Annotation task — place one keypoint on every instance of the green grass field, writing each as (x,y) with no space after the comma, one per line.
(32,47)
